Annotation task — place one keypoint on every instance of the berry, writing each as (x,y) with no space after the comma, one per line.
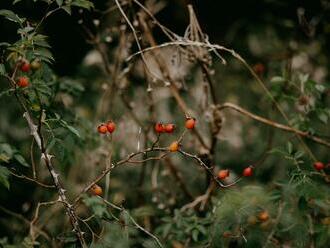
(102,129)
(227,234)
(190,123)
(25,67)
(223,174)
(252,220)
(111,126)
(263,216)
(174,146)
(259,68)
(159,128)
(169,128)
(248,171)
(35,65)
(23,82)
(96,190)
(318,166)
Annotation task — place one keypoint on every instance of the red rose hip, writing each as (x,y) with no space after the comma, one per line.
(169,128)
(102,129)
(25,67)
(223,174)
(23,82)
(318,166)
(190,123)
(159,128)
(111,126)
(248,171)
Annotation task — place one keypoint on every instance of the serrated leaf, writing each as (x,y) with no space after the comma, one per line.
(4,174)
(10,15)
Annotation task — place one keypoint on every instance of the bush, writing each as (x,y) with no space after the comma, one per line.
(163,140)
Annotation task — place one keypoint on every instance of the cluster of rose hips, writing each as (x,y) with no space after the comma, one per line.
(110,127)
(26,67)
(247,172)
(169,128)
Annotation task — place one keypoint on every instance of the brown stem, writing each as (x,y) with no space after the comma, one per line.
(274,124)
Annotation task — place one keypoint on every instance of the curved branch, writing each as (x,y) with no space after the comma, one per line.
(273,124)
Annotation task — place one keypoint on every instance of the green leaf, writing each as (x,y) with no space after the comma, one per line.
(67,9)
(195,235)
(2,70)
(59,2)
(4,174)
(10,15)
(278,79)
(320,88)
(289,147)
(44,54)
(83,4)
(17,1)
(19,158)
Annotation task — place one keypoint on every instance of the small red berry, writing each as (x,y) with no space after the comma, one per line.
(174,146)
(169,128)
(223,174)
(259,68)
(159,128)
(248,171)
(25,67)
(263,216)
(23,82)
(190,123)
(96,190)
(111,126)
(318,166)
(102,129)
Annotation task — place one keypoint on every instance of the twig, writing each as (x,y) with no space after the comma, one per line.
(31,180)
(274,124)
(23,219)
(209,170)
